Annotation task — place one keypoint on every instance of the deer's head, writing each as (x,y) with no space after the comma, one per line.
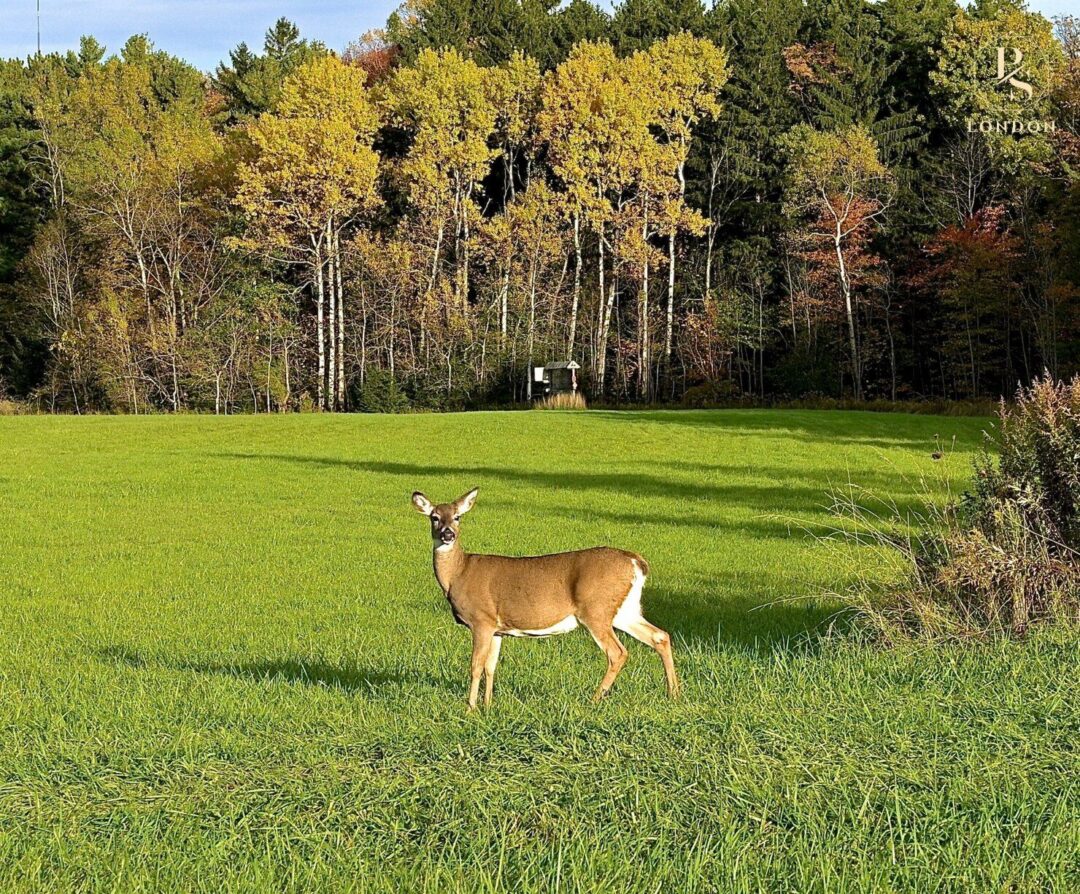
(446,517)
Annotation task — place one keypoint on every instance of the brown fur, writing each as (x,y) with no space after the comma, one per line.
(496,596)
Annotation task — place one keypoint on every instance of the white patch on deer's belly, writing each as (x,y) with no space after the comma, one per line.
(629,612)
(564,626)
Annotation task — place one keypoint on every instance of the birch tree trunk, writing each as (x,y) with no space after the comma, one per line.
(288,379)
(845,285)
(331,377)
(605,317)
(644,378)
(598,359)
(465,272)
(340,323)
(671,276)
(269,363)
(434,278)
(319,333)
(577,286)
(714,170)
(504,300)
(607,308)
(531,333)
(669,328)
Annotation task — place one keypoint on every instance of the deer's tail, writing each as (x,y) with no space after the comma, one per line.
(640,562)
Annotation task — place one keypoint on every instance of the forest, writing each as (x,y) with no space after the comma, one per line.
(757,201)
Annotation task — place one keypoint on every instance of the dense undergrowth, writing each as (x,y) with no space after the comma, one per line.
(1002,556)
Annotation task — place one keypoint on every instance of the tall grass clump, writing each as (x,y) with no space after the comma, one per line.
(1002,557)
(12,407)
(574,401)
(8,406)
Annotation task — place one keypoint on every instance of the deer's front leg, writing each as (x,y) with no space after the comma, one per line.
(481,647)
(489,669)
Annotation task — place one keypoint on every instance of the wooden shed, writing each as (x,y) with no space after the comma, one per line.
(556,378)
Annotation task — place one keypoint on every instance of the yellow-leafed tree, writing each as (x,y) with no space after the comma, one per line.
(312,172)
(446,106)
(688,73)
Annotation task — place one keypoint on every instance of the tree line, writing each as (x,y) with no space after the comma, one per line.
(752,201)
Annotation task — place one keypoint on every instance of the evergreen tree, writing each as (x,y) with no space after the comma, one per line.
(638,23)
(22,208)
(251,84)
(490,31)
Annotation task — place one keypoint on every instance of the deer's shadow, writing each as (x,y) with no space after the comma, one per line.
(346,677)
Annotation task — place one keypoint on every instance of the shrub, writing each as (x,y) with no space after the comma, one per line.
(574,401)
(11,407)
(381,393)
(710,394)
(1006,555)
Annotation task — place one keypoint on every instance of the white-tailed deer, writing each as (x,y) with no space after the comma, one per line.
(497,596)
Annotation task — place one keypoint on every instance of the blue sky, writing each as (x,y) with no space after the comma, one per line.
(203,31)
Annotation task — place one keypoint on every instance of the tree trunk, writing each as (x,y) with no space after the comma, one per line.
(845,285)
(671,277)
(431,285)
(288,380)
(340,323)
(761,340)
(504,301)
(668,332)
(892,350)
(605,328)
(531,334)
(644,379)
(465,271)
(319,330)
(331,369)
(577,286)
(597,361)
(269,364)
(714,171)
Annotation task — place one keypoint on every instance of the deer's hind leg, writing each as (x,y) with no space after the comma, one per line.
(657,639)
(629,619)
(614,650)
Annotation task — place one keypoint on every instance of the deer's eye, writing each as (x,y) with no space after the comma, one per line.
(457,518)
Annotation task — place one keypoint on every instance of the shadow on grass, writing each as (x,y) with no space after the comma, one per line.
(755,621)
(808,493)
(347,677)
(810,426)
(783,509)
(764,527)
(757,612)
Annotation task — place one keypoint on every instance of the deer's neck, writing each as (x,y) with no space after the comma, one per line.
(449,561)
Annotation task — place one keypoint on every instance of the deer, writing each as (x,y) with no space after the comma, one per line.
(537,596)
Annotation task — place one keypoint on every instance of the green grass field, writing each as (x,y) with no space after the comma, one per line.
(225,665)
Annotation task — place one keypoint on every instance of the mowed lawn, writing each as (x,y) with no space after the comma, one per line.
(225,665)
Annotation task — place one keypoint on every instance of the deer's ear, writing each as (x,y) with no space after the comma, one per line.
(422,503)
(465,503)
